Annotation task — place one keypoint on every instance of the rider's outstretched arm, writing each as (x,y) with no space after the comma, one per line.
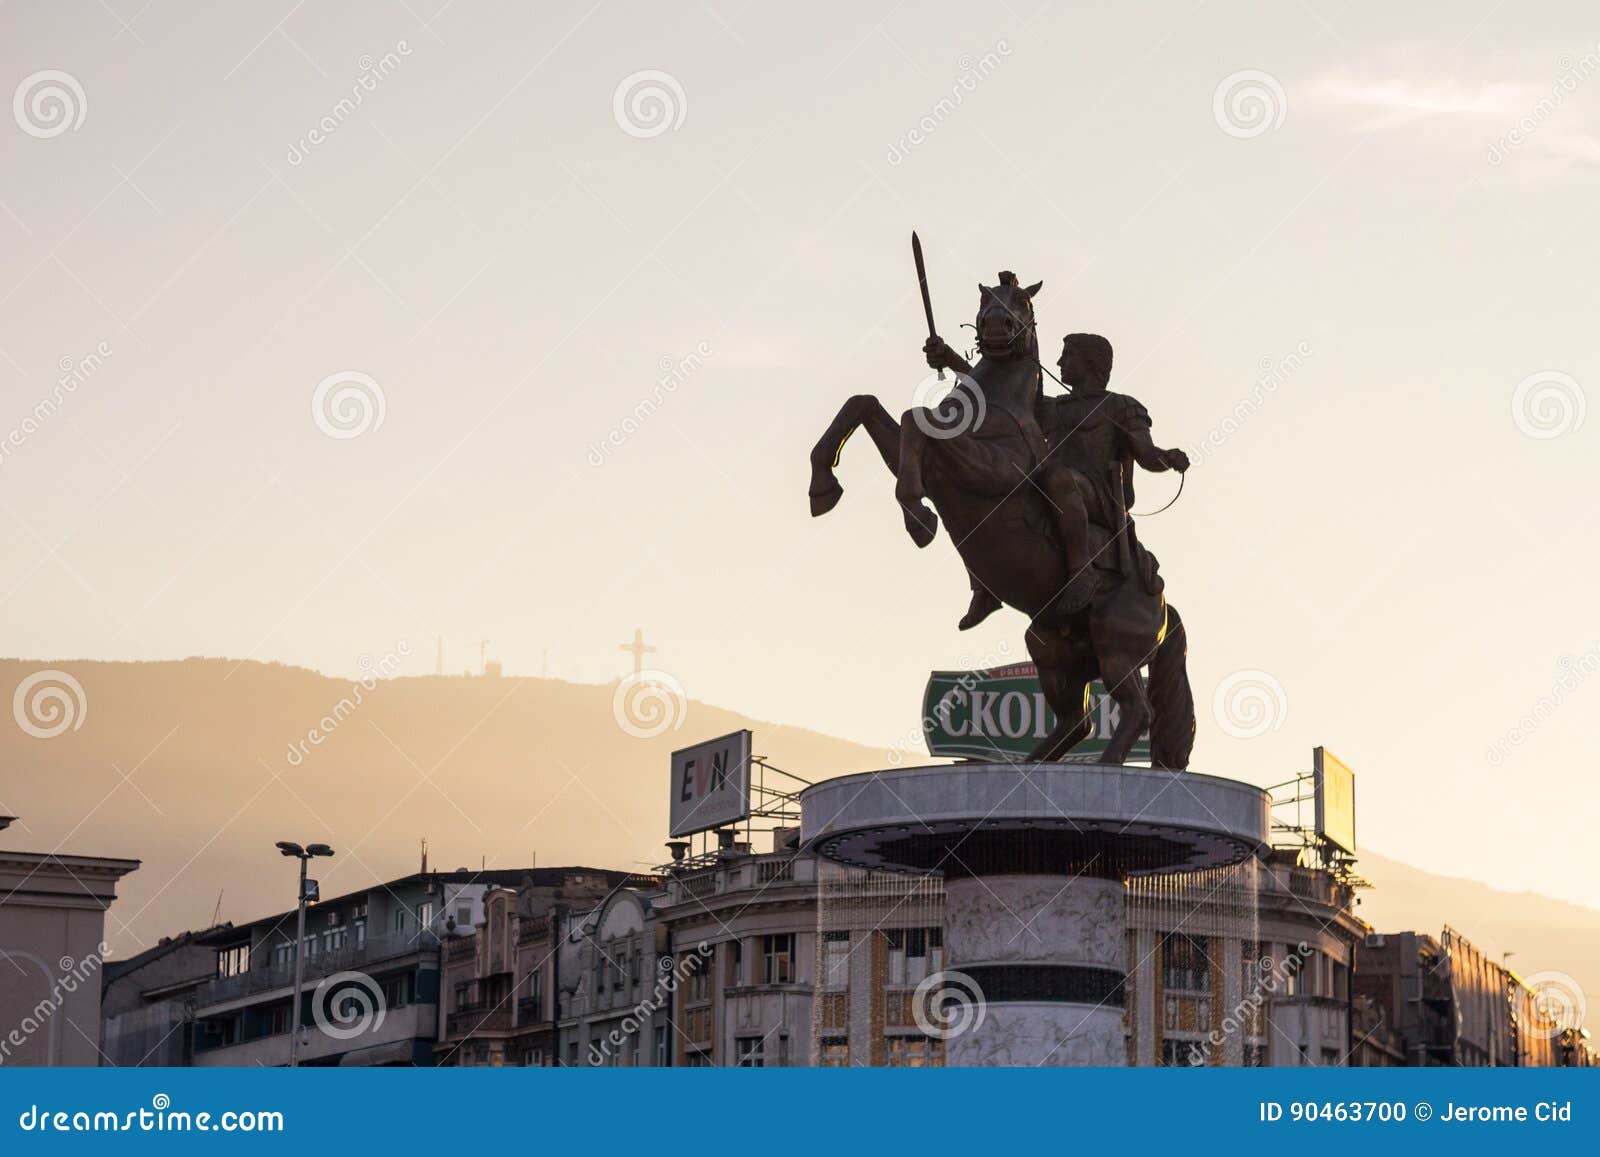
(1136,426)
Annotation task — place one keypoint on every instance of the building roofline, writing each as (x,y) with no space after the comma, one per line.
(504,877)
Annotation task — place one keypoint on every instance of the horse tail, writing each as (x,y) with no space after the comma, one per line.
(1171,700)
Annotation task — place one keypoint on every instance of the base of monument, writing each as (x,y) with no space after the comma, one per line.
(1035,859)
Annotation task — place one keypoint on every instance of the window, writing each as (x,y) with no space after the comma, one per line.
(835,1052)
(662,1044)
(536,995)
(397,991)
(1185,965)
(735,962)
(463,992)
(1255,1056)
(358,926)
(425,915)
(914,954)
(749,1053)
(699,979)
(1182,1053)
(777,958)
(282,953)
(913,1052)
(278,1020)
(463,916)
(402,917)
(233,961)
(836,962)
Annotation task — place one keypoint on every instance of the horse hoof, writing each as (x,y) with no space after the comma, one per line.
(921,523)
(826,499)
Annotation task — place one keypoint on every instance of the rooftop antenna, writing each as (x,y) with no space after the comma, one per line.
(216,913)
(424,855)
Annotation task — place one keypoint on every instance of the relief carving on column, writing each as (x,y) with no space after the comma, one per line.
(1023,919)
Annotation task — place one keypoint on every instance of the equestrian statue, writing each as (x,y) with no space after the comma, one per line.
(1036,492)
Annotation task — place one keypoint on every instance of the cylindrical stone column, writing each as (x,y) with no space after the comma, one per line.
(1043,958)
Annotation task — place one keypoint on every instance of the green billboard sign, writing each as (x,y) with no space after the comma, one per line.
(1001,714)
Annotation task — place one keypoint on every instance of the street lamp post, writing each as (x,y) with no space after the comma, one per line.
(304,855)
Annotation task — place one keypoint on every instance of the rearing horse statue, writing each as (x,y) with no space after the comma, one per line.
(981,458)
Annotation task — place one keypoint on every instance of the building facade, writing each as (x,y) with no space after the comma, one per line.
(52,943)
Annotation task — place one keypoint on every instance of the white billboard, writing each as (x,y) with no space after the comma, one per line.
(1335,793)
(710,784)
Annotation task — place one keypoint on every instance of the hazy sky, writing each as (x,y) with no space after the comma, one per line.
(229,205)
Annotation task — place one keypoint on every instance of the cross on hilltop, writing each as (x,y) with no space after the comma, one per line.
(637,649)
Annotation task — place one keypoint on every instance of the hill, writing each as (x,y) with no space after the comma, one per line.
(198,767)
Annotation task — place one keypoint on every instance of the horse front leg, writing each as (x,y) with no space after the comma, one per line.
(921,523)
(860,410)
(1064,676)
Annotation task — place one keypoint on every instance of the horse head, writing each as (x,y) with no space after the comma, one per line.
(1006,327)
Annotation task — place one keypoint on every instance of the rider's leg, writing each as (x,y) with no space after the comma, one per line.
(1069,509)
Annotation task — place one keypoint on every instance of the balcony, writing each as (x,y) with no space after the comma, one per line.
(477,1018)
(267,975)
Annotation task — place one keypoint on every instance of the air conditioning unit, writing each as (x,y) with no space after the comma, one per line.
(1374,940)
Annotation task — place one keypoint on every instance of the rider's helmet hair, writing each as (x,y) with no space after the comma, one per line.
(1096,351)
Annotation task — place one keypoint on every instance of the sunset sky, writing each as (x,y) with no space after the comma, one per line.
(1389,213)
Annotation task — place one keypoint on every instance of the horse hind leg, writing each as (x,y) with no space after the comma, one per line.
(1125,685)
(921,523)
(858,411)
